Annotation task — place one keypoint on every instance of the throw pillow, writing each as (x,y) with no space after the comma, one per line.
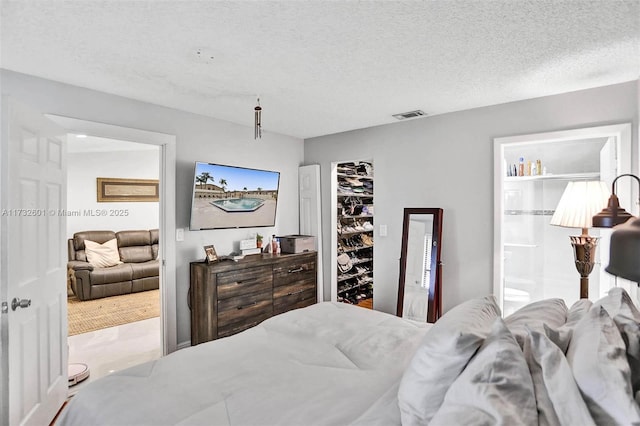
(598,360)
(549,312)
(558,398)
(102,255)
(442,355)
(494,389)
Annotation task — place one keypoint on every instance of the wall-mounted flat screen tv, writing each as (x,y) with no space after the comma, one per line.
(233,197)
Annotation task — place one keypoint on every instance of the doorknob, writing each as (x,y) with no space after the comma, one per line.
(22,303)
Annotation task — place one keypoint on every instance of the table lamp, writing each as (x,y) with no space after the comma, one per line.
(624,249)
(581,201)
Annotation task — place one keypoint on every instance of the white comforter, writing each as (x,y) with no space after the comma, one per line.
(328,364)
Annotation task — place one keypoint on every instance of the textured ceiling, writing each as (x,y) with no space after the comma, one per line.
(322,67)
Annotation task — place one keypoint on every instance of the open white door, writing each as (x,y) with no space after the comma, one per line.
(310,213)
(33,260)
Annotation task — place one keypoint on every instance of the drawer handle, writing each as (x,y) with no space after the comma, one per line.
(247,306)
(293,271)
(297,292)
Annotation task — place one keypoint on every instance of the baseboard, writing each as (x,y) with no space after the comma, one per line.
(183,345)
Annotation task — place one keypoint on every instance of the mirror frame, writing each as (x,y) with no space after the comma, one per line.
(434,303)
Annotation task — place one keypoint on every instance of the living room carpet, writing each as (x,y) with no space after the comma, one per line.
(91,315)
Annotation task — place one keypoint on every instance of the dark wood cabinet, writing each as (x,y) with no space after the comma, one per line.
(228,297)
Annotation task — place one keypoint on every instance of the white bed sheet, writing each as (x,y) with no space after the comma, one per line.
(328,364)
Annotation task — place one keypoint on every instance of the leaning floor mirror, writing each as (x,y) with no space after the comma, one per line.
(419,288)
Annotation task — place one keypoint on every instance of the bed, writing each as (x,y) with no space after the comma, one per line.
(337,364)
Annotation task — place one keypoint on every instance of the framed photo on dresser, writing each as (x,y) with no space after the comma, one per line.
(210,254)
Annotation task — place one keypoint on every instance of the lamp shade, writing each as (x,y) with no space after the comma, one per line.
(624,251)
(580,201)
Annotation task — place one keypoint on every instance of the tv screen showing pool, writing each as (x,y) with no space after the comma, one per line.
(233,197)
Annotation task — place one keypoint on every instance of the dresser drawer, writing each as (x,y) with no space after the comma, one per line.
(242,312)
(296,298)
(244,281)
(303,269)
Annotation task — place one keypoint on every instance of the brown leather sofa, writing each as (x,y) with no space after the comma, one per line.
(139,271)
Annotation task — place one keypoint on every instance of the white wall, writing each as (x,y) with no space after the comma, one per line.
(82,170)
(198,138)
(447,161)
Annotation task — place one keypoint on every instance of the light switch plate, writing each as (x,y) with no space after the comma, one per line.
(383,230)
(179,234)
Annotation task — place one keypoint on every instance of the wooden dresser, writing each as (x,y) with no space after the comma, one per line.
(227,297)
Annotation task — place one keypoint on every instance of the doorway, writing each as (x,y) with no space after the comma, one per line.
(167,220)
(533,260)
(108,334)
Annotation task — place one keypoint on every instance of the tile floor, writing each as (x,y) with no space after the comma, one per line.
(115,348)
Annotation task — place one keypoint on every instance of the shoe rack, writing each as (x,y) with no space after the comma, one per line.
(354,232)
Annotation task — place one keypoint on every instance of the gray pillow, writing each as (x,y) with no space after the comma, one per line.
(534,316)
(562,335)
(598,360)
(627,318)
(558,398)
(444,352)
(494,389)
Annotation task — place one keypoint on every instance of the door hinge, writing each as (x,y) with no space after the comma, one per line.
(5,307)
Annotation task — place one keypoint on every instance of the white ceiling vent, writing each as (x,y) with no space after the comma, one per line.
(410,114)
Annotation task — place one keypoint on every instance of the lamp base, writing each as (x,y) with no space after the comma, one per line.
(584,253)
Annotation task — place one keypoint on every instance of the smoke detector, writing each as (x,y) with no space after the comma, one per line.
(410,114)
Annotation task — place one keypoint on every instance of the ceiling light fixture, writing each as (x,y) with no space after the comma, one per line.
(81,136)
(258,121)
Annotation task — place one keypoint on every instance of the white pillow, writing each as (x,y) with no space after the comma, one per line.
(494,389)
(558,398)
(102,255)
(444,352)
(627,318)
(597,357)
(549,312)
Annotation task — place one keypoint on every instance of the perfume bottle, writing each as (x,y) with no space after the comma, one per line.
(521,167)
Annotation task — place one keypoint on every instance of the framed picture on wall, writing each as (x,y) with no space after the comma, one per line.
(210,254)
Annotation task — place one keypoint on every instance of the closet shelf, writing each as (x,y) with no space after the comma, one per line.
(365,177)
(560,176)
(350,249)
(354,194)
(346,234)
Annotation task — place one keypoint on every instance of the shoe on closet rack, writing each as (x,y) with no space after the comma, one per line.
(367,226)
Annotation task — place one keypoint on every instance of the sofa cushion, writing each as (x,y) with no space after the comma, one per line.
(145,269)
(133,238)
(102,255)
(135,246)
(136,254)
(114,274)
(155,241)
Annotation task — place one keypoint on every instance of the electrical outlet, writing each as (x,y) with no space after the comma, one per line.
(383,230)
